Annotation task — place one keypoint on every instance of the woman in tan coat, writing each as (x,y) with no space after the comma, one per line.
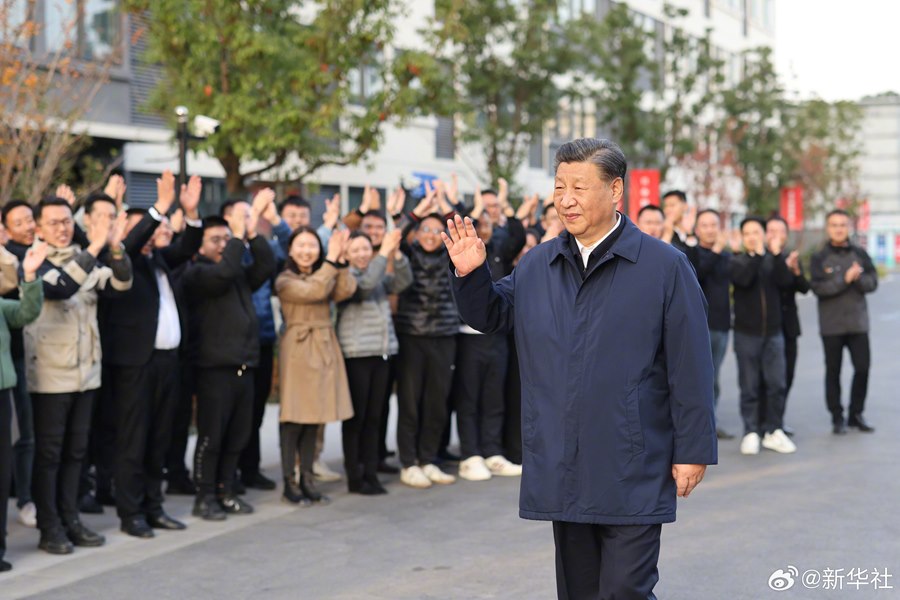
(313,378)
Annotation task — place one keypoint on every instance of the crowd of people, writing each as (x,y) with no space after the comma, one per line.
(119,322)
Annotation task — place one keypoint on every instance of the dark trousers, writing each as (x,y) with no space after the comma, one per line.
(224,415)
(5,461)
(62,424)
(719,345)
(790,363)
(181,423)
(145,405)
(23,449)
(297,439)
(478,390)
(858,345)
(262,387)
(606,562)
(760,360)
(512,421)
(423,386)
(386,408)
(367,377)
(101,443)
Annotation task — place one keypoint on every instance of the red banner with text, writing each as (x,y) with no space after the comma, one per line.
(643,189)
(792,207)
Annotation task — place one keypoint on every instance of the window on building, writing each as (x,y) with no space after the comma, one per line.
(93,28)
(365,80)
(569,10)
(445,138)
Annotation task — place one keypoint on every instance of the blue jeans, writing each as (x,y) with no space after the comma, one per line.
(719,342)
(761,357)
(23,449)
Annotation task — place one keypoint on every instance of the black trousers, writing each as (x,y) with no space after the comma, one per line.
(62,424)
(386,408)
(181,423)
(478,389)
(858,345)
(262,387)
(423,386)
(297,439)
(145,406)
(5,461)
(224,417)
(512,420)
(606,562)
(790,363)
(101,448)
(367,377)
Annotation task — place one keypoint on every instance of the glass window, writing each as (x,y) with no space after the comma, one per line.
(16,15)
(93,28)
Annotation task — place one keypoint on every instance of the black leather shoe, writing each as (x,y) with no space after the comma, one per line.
(839,428)
(860,423)
(88,504)
(387,469)
(207,508)
(164,521)
(257,481)
(137,527)
(238,487)
(55,542)
(181,486)
(82,536)
(5,566)
(233,505)
(724,435)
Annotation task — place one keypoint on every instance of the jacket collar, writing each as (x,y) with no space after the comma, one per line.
(628,246)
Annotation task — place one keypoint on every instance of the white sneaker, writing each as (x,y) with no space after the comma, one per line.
(750,444)
(474,469)
(502,467)
(437,476)
(779,442)
(415,477)
(28,515)
(323,473)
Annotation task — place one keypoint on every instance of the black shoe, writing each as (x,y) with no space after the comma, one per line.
(181,486)
(387,469)
(371,479)
(860,423)
(137,527)
(82,536)
(164,521)
(207,508)
(788,431)
(237,486)
(5,566)
(390,454)
(724,435)
(55,541)
(233,505)
(308,488)
(105,498)
(445,456)
(88,504)
(292,493)
(258,481)
(839,428)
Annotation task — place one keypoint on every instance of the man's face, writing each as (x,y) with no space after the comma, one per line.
(295,216)
(838,229)
(163,235)
(707,229)
(429,234)
(130,223)
(102,213)
(651,223)
(674,208)
(214,240)
(57,227)
(485,229)
(374,228)
(549,216)
(776,231)
(752,235)
(492,206)
(20,225)
(586,204)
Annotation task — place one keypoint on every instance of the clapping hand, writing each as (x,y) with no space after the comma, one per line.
(396,201)
(853,272)
(115,189)
(65,192)
(190,197)
(117,230)
(391,243)
(336,245)
(466,249)
(33,260)
(332,212)
(165,192)
(793,262)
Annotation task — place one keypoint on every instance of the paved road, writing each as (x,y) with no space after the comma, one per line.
(832,505)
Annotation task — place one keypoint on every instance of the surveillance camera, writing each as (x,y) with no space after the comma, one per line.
(205,126)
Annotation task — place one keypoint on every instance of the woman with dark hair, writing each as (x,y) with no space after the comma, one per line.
(366,332)
(313,380)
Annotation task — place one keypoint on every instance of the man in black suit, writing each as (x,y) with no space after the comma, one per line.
(141,333)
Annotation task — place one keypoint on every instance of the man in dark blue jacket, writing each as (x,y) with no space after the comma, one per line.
(617,375)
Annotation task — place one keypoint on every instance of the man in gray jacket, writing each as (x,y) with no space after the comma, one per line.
(842,274)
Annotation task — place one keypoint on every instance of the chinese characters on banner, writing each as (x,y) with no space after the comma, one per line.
(792,207)
(643,189)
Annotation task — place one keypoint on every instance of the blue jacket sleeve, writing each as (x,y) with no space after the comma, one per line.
(485,306)
(690,368)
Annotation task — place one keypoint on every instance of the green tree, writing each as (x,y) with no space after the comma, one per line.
(506,63)
(311,82)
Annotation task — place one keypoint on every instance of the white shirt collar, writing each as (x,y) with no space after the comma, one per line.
(586,250)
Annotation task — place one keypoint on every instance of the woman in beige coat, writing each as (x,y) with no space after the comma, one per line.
(313,378)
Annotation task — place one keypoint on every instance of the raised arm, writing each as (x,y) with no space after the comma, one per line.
(309,290)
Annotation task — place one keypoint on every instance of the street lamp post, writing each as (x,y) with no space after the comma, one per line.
(182,113)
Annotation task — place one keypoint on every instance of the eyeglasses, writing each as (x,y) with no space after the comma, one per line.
(430,230)
(60,223)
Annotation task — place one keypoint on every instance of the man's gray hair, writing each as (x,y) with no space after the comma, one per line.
(605,154)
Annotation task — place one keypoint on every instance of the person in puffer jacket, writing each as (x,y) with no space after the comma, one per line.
(426,324)
(365,331)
